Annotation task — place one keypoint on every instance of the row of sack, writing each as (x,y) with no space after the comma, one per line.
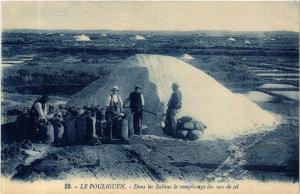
(72,128)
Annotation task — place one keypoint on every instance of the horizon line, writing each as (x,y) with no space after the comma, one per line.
(199,30)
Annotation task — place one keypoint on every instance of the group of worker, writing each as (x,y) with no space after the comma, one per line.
(115,108)
(111,115)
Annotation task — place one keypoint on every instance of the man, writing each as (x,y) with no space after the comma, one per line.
(40,116)
(136,99)
(174,105)
(39,109)
(114,111)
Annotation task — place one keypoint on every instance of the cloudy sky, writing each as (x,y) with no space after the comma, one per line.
(179,16)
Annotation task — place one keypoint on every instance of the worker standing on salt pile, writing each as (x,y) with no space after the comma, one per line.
(43,129)
(174,105)
(114,111)
(137,102)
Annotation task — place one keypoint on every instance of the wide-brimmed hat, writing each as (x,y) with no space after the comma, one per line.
(175,84)
(115,88)
(138,87)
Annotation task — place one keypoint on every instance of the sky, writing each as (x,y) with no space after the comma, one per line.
(173,16)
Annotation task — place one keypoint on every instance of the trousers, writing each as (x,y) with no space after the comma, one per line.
(171,121)
(137,123)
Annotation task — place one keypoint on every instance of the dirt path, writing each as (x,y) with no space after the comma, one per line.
(147,158)
(233,166)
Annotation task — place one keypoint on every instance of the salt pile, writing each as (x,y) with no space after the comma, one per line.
(139,37)
(186,57)
(247,42)
(82,38)
(6,65)
(227,115)
(103,35)
(256,96)
(231,39)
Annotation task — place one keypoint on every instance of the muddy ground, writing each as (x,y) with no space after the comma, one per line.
(266,156)
(146,157)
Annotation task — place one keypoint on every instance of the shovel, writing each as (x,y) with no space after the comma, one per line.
(147,111)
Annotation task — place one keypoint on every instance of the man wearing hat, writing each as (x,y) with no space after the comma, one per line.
(137,102)
(114,110)
(174,105)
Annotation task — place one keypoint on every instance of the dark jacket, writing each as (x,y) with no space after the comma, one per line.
(175,100)
(136,103)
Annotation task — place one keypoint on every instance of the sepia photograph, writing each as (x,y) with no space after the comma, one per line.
(150,97)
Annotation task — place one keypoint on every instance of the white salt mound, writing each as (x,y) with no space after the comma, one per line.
(231,39)
(139,37)
(82,38)
(227,115)
(247,42)
(103,35)
(256,96)
(6,65)
(186,57)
